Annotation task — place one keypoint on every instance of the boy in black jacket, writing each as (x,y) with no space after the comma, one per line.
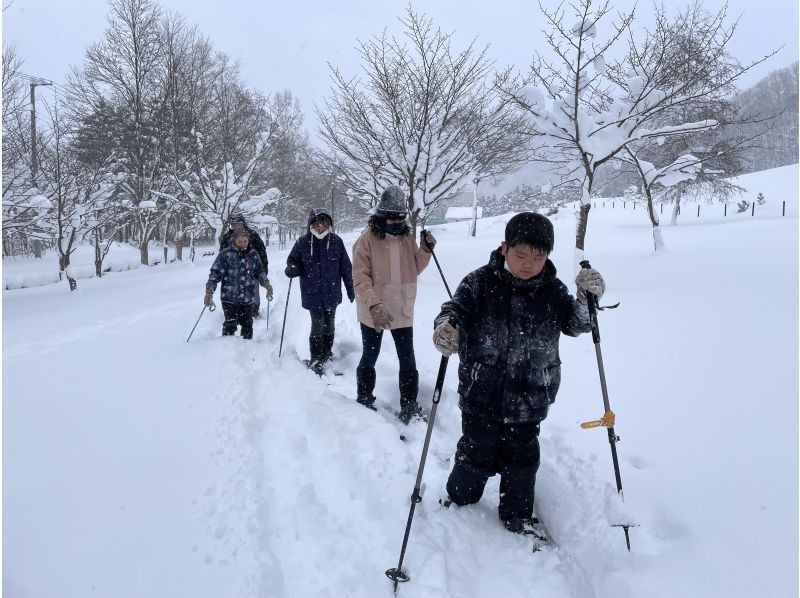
(505,321)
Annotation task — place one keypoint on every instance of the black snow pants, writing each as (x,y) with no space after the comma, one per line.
(488,447)
(237,314)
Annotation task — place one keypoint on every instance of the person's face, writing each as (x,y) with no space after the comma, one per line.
(523,261)
(395,218)
(242,241)
(320,225)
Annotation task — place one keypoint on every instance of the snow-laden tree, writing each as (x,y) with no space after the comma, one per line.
(119,94)
(589,108)
(684,168)
(674,49)
(213,193)
(24,207)
(423,117)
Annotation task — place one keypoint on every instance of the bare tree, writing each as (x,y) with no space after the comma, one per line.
(423,118)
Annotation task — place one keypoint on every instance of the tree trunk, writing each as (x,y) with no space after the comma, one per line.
(98,259)
(474,222)
(676,209)
(143,253)
(583,221)
(179,248)
(414,216)
(658,239)
(37,249)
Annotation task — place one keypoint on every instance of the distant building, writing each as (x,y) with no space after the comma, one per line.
(460,213)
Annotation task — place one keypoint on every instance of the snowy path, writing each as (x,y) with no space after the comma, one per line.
(136,464)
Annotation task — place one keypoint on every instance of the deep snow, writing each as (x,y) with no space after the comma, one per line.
(135,464)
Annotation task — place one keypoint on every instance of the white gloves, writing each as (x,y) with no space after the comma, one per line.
(589,281)
(445,339)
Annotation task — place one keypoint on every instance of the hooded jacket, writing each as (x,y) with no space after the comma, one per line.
(256,243)
(385,271)
(509,332)
(240,272)
(322,265)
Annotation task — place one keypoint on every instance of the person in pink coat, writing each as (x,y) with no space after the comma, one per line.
(386,264)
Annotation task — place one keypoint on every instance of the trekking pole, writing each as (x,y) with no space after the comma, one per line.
(268,302)
(285,310)
(435,259)
(608,419)
(397,574)
(211,307)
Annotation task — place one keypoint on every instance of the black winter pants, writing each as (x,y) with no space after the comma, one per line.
(237,314)
(323,321)
(403,342)
(488,447)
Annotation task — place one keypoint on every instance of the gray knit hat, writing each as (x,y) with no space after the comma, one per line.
(393,200)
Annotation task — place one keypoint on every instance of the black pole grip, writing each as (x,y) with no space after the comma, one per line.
(591,301)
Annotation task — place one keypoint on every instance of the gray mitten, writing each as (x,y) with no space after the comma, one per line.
(381,318)
(445,339)
(589,281)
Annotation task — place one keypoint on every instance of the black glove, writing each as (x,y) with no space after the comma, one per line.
(292,270)
(351,296)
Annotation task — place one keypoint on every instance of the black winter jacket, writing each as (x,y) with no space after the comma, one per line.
(509,332)
(322,265)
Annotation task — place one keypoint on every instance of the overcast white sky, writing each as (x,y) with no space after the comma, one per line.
(287,44)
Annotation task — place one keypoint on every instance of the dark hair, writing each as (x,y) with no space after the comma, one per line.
(323,217)
(532,229)
(377,224)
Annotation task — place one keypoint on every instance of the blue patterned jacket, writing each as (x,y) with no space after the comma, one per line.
(240,272)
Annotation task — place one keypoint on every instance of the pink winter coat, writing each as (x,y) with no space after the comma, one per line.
(385,271)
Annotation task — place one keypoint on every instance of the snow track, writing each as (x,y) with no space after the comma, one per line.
(319,501)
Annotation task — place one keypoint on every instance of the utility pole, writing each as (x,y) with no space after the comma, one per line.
(333,210)
(37,244)
(34,155)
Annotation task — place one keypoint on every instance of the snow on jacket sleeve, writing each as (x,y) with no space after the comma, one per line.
(362,272)
(575,315)
(295,258)
(260,271)
(421,257)
(217,272)
(346,272)
(462,308)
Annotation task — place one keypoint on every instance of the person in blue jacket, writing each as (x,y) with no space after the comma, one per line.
(321,261)
(238,267)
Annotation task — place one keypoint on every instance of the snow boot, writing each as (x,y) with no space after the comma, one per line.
(365,384)
(409,388)
(327,347)
(316,362)
(521,525)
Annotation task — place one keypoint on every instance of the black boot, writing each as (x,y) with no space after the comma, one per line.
(327,347)
(409,388)
(316,361)
(365,384)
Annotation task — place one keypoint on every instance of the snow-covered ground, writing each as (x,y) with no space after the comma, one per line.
(135,464)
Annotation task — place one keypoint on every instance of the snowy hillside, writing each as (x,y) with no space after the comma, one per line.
(137,465)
